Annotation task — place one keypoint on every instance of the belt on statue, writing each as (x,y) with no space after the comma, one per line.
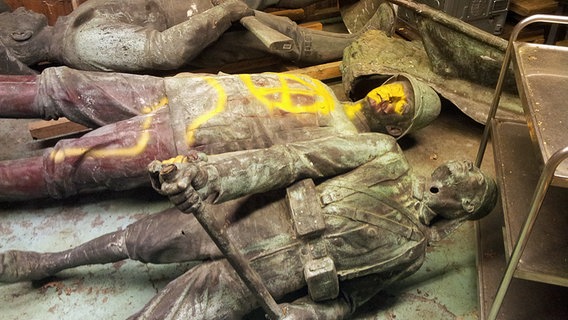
(307,217)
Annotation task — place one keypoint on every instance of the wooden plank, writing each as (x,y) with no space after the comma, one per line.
(322,72)
(527,8)
(312,25)
(293,14)
(54,128)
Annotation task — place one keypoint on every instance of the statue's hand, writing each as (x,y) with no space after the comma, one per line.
(297,311)
(236,9)
(179,178)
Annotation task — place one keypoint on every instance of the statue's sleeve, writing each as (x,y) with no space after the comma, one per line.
(236,174)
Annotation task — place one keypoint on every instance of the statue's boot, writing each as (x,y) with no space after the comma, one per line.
(315,46)
(17,95)
(18,266)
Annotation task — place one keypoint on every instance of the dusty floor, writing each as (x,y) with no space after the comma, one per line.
(444,288)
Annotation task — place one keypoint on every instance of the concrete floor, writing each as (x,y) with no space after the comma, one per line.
(444,288)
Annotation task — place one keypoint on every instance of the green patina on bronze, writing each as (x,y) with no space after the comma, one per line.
(459,61)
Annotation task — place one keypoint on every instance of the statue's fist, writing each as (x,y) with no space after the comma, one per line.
(178,178)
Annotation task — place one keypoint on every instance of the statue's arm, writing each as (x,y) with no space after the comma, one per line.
(232,175)
(120,46)
(181,43)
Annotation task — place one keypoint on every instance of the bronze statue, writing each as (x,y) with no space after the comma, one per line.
(144,118)
(375,221)
(141,35)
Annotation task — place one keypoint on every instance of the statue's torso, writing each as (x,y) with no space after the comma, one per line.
(371,224)
(217,114)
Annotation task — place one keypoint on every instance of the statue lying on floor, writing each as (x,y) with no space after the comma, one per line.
(378,219)
(140,35)
(145,118)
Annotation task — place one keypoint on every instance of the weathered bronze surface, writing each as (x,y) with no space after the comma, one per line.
(144,118)
(459,61)
(378,216)
(142,36)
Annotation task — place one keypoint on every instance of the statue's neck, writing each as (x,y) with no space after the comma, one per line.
(355,113)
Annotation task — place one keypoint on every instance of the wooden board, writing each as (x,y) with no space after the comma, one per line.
(54,128)
(527,8)
(322,72)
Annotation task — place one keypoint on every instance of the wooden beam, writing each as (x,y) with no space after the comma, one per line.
(322,72)
(293,14)
(54,128)
(527,8)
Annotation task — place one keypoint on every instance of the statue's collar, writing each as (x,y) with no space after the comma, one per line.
(425,214)
(441,227)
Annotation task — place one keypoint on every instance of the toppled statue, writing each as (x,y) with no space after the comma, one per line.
(144,118)
(140,35)
(376,217)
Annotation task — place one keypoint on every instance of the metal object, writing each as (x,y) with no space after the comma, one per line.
(249,276)
(541,75)
(488,15)
(321,278)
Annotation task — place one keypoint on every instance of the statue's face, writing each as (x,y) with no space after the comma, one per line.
(390,109)
(456,189)
(18,28)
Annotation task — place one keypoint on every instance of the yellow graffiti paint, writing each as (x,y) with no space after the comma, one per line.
(324,101)
(176,159)
(352,109)
(141,144)
(219,107)
(156,106)
(393,93)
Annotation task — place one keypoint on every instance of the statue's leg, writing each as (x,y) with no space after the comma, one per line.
(18,266)
(17,95)
(90,98)
(315,46)
(211,290)
(289,4)
(309,46)
(165,237)
(112,157)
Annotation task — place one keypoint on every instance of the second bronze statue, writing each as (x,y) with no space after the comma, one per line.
(140,36)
